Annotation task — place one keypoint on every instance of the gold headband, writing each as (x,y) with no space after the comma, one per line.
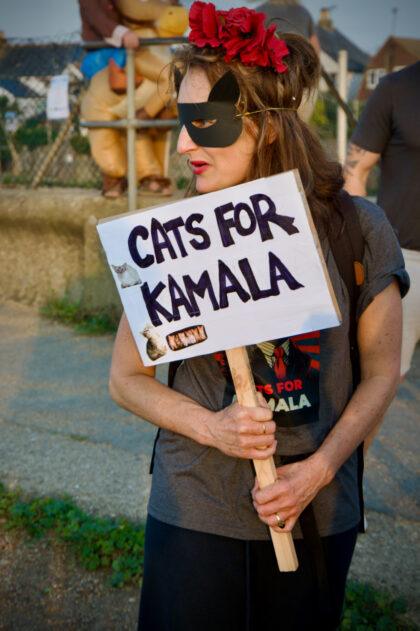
(267,109)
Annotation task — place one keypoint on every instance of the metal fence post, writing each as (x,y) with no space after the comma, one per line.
(131,133)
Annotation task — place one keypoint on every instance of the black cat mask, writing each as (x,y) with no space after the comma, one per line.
(220,108)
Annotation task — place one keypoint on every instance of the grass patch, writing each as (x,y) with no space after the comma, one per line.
(91,321)
(369,609)
(119,546)
(79,438)
(98,543)
(26,180)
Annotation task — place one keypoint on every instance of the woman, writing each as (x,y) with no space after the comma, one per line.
(209,562)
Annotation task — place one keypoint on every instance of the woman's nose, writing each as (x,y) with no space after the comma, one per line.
(185,143)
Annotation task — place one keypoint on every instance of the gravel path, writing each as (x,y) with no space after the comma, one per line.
(61,433)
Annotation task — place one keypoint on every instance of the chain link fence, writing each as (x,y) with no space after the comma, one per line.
(26,135)
(33,149)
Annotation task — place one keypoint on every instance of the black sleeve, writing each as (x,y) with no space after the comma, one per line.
(375,125)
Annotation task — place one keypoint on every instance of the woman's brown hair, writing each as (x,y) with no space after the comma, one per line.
(283,140)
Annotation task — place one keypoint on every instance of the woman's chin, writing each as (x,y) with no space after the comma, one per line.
(205,186)
(202,186)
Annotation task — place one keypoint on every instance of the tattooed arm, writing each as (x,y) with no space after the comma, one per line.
(357,167)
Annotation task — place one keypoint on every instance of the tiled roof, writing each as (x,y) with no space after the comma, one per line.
(43,60)
(17,88)
(332,41)
(412,46)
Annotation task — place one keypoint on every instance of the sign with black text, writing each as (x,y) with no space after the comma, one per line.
(231,268)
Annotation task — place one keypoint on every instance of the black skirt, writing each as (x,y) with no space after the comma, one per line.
(195,581)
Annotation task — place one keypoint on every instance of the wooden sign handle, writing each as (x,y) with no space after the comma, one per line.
(265,469)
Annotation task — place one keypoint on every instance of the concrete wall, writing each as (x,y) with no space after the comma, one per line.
(49,242)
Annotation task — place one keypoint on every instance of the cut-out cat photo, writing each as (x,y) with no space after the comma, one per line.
(127,275)
(155,346)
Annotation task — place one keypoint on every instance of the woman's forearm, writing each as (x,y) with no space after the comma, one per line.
(149,399)
(363,412)
(236,431)
(379,340)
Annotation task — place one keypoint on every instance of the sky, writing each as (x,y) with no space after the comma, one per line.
(367,23)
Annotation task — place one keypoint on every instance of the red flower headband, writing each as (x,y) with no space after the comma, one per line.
(240,33)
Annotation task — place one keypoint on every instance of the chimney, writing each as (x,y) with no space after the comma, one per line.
(325,20)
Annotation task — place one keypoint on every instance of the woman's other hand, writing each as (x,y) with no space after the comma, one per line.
(295,487)
(244,432)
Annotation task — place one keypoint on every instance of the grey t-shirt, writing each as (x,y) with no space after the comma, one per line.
(307,380)
(289,18)
(390,125)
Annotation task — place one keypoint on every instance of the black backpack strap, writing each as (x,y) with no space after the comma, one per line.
(347,245)
(173,367)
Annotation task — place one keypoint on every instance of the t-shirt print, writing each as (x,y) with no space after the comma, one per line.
(286,372)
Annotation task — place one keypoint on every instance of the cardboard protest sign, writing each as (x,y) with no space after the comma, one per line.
(218,271)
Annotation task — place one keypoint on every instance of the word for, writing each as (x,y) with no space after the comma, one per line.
(289,386)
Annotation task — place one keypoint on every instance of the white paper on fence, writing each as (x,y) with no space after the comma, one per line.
(248,318)
(58,98)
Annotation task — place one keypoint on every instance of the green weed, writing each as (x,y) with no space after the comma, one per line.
(91,321)
(98,543)
(369,609)
(79,438)
(25,180)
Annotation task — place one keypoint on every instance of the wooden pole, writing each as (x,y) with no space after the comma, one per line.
(265,469)
(344,106)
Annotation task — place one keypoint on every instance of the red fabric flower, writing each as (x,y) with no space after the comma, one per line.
(240,33)
(244,36)
(277,50)
(204,23)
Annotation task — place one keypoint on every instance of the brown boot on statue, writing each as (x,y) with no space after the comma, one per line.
(113,187)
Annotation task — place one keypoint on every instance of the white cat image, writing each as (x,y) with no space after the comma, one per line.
(155,346)
(127,275)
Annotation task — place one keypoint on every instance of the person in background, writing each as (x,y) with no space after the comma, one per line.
(125,23)
(290,16)
(389,131)
(101,20)
(209,562)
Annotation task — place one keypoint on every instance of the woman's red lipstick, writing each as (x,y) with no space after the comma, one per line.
(198,167)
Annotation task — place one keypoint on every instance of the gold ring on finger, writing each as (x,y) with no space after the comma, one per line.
(280,522)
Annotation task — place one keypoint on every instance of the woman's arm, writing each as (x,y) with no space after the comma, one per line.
(358,165)
(235,430)
(379,339)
